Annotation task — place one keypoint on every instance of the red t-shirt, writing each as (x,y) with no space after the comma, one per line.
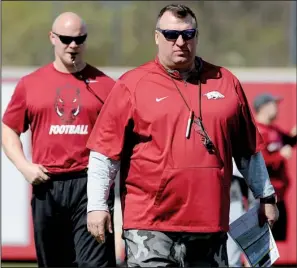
(274,140)
(173,183)
(60,111)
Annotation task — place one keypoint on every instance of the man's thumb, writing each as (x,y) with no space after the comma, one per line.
(270,222)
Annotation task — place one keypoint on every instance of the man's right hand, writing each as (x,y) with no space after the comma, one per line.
(98,221)
(34,173)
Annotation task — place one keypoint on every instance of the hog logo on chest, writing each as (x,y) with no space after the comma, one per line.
(67,103)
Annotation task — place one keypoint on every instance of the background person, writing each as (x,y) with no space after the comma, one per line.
(278,149)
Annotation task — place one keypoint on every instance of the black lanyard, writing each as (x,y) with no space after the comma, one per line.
(208,144)
(79,75)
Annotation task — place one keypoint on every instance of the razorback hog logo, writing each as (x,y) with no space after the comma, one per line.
(67,104)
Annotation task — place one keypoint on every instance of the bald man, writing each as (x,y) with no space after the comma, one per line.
(60,102)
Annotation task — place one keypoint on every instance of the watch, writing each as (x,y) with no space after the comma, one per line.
(271,199)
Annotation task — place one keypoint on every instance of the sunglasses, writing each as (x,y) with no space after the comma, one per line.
(67,40)
(174,34)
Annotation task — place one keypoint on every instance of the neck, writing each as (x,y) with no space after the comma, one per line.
(187,69)
(263,119)
(61,67)
(185,73)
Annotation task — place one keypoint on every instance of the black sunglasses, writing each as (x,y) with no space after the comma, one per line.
(174,34)
(67,40)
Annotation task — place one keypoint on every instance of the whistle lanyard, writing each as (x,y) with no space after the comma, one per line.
(192,118)
(208,144)
(78,74)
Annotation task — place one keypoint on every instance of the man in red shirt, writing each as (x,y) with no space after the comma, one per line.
(172,125)
(60,102)
(277,150)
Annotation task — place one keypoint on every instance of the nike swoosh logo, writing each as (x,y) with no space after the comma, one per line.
(160,99)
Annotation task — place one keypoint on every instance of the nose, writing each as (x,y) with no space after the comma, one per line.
(73,44)
(180,41)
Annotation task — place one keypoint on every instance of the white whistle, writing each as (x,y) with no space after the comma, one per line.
(190,120)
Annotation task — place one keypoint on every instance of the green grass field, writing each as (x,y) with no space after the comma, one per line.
(18,264)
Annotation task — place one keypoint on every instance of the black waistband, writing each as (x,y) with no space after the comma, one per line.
(68,175)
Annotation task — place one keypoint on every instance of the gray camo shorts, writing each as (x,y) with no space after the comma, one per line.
(172,249)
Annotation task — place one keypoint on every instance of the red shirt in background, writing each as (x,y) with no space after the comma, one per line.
(61,112)
(275,139)
(171,182)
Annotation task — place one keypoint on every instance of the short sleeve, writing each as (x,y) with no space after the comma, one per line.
(104,88)
(16,114)
(248,139)
(107,136)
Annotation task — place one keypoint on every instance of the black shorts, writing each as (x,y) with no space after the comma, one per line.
(59,209)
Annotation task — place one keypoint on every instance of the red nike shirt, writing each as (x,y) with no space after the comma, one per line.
(61,111)
(172,183)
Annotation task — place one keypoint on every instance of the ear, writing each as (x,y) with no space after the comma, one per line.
(52,38)
(156,38)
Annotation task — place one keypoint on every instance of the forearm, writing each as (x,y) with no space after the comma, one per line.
(255,174)
(101,175)
(12,147)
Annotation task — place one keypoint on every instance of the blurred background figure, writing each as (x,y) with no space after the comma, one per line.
(240,197)
(236,210)
(276,153)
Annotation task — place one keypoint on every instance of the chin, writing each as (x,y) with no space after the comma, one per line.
(68,63)
(182,59)
(181,62)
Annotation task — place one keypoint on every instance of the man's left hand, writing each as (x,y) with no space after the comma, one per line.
(268,213)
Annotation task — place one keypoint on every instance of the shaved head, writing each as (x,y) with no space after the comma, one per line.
(69,23)
(68,36)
